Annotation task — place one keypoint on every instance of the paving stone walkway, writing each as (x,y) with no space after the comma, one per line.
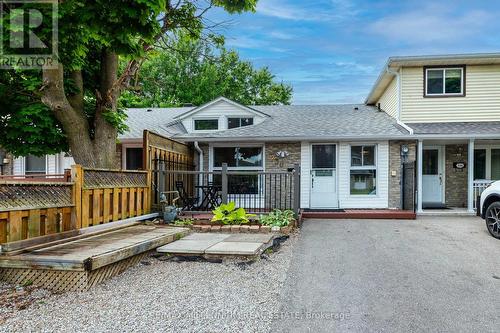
(219,244)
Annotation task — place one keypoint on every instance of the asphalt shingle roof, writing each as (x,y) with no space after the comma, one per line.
(466,128)
(285,121)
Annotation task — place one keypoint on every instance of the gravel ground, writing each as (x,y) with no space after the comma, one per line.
(169,296)
(13,299)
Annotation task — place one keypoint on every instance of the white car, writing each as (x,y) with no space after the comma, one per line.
(489,208)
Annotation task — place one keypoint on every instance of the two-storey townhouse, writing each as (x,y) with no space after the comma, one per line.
(451,106)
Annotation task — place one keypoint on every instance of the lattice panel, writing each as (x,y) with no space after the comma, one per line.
(59,281)
(33,195)
(103,178)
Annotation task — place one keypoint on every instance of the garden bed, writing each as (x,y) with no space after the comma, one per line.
(204,225)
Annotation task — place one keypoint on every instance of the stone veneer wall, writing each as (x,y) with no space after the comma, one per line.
(8,169)
(395,168)
(456,180)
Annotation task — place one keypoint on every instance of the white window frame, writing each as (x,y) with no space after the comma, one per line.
(206,118)
(444,93)
(239,117)
(46,166)
(488,149)
(363,167)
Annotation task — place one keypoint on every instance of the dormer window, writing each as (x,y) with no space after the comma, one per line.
(239,122)
(443,82)
(206,124)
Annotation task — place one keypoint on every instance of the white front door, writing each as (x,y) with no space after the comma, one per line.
(324,176)
(433,177)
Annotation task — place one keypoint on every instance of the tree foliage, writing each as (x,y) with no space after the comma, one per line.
(75,105)
(198,71)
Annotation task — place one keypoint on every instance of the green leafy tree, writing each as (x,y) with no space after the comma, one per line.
(197,71)
(75,105)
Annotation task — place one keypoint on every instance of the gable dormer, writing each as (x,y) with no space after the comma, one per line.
(219,115)
(443,88)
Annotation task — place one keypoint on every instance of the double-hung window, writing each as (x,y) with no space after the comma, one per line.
(363,173)
(442,82)
(487,163)
(35,165)
(245,159)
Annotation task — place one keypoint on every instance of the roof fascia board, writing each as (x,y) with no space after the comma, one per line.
(219,99)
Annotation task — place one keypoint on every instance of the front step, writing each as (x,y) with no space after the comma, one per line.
(365,214)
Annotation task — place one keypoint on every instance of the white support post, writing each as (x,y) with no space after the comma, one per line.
(470,182)
(420,156)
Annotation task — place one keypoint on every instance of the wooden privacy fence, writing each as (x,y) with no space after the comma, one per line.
(35,209)
(94,196)
(162,153)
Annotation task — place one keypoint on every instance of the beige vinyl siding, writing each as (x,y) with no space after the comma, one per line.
(389,99)
(481,103)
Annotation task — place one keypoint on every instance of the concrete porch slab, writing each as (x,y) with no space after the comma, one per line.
(235,249)
(210,244)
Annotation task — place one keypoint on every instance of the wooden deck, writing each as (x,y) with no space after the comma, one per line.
(79,264)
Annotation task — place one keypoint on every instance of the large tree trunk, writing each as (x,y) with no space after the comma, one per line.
(99,150)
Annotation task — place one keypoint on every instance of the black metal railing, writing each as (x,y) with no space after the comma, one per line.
(256,191)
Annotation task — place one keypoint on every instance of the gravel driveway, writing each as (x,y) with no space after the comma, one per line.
(430,275)
(167,296)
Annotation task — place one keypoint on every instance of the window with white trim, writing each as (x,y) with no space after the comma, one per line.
(239,122)
(363,172)
(35,165)
(211,124)
(444,81)
(239,159)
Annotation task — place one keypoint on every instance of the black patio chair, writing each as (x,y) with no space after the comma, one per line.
(189,202)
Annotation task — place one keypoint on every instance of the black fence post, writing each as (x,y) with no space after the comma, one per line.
(296,188)
(224,183)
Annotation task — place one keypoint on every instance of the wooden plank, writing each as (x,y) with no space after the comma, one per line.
(3,230)
(76,213)
(4,215)
(138,201)
(41,240)
(51,221)
(116,203)
(85,222)
(107,213)
(124,203)
(34,223)
(96,210)
(131,207)
(15,226)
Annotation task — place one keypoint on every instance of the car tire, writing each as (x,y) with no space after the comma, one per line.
(492,218)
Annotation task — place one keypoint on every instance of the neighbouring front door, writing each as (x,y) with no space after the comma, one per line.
(324,176)
(432,177)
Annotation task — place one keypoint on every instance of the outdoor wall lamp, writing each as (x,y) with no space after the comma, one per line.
(405,150)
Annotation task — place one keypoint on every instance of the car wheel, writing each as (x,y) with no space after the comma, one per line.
(493,219)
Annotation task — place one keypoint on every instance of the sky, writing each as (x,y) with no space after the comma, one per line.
(332,51)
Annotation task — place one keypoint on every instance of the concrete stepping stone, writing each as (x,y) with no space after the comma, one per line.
(235,248)
(250,238)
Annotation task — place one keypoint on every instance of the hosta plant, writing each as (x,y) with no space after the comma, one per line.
(229,214)
(277,218)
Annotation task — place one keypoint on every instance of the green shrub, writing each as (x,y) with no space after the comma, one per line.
(229,214)
(277,218)
(184,222)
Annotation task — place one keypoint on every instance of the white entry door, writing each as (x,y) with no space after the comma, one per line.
(433,177)
(324,176)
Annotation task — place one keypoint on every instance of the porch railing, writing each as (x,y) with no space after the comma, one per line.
(256,191)
(479,185)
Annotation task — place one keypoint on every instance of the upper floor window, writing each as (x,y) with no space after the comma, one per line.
(444,81)
(206,124)
(239,122)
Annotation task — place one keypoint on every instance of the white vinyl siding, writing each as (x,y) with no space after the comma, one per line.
(379,200)
(389,100)
(480,103)
(220,110)
(305,171)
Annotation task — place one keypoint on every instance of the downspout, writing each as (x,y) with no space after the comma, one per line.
(200,164)
(402,124)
